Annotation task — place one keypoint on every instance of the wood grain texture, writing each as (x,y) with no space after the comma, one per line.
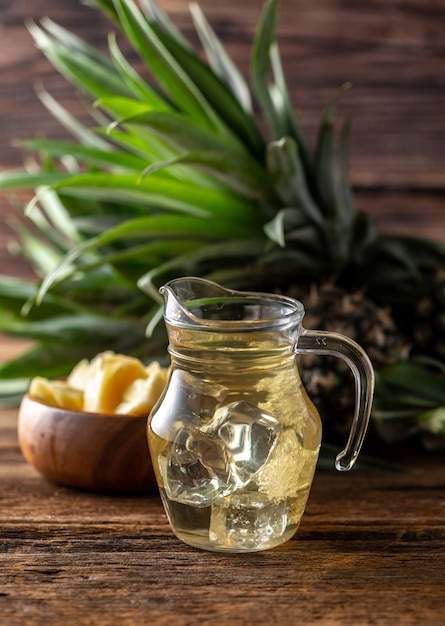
(370,550)
(102,453)
(391,50)
(371,547)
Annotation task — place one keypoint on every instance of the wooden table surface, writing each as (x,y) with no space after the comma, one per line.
(371,547)
(370,551)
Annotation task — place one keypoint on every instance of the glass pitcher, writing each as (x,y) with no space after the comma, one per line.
(234,438)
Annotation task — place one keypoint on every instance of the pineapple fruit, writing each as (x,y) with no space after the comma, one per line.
(57,393)
(176,176)
(327,380)
(424,317)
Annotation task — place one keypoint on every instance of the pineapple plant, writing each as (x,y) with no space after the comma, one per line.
(187,170)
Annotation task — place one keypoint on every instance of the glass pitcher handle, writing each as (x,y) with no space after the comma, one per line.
(335,344)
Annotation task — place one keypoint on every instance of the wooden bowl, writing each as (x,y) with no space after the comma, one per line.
(104,453)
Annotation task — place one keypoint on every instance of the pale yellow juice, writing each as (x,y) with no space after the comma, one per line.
(234,445)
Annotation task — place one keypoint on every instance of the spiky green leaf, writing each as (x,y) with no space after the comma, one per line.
(78,62)
(286,169)
(236,172)
(220,61)
(243,248)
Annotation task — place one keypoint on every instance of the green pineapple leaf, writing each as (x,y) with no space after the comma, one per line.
(174,176)
(347,212)
(83,134)
(270,85)
(138,87)
(12,391)
(417,383)
(105,6)
(242,248)
(220,61)
(43,255)
(408,395)
(180,72)
(286,169)
(157,192)
(73,328)
(15,293)
(261,67)
(235,173)
(175,129)
(228,117)
(148,228)
(77,61)
(336,212)
(30,180)
(290,226)
(91,156)
(154,12)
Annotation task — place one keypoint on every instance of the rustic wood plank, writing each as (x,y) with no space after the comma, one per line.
(83,558)
(153,581)
(391,51)
(87,558)
(370,551)
(410,212)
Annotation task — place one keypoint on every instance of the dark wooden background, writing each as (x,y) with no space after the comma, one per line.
(391,50)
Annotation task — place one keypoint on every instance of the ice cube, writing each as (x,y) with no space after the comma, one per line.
(249,435)
(203,397)
(188,401)
(290,468)
(195,468)
(246,521)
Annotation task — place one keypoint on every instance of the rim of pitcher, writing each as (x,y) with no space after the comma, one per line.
(292,317)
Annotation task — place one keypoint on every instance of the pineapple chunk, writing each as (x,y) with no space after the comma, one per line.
(142,394)
(56,393)
(79,375)
(109,375)
(109,383)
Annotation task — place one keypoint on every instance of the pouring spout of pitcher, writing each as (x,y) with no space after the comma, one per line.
(184,295)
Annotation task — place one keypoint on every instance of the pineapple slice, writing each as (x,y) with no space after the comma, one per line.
(142,394)
(56,393)
(109,383)
(107,378)
(79,375)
